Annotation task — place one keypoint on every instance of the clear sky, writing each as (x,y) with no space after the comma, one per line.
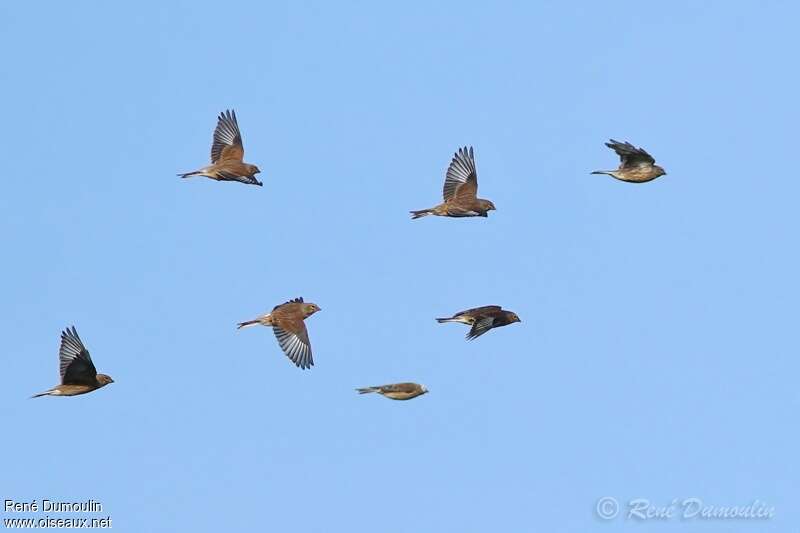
(657,354)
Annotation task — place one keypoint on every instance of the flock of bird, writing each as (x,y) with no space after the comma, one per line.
(287,320)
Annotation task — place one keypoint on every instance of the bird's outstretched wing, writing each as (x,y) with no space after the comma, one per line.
(462,178)
(629,155)
(227,145)
(292,336)
(76,365)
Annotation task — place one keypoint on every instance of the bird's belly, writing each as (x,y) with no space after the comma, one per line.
(400,395)
(634,177)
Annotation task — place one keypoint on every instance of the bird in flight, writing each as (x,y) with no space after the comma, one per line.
(397,391)
(287,323)
(636,165)
(78,374)
(482,319)
(460,190)
(227,152)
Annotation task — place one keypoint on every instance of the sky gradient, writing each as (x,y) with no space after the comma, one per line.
(656,357)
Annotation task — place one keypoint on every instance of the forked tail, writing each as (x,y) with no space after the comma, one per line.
(366,390)
(247,324)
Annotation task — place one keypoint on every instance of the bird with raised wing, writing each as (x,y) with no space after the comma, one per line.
(636,165)
(460,190)
(78,374)
(287,322)
(397,391)
(227,152)
(482,319)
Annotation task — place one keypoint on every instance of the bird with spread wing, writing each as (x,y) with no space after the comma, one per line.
(482,319)
(636,165)
(227,153)
(287,322)
(460,190)
(78,374)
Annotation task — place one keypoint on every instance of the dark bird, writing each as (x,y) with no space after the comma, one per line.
(227,152)
(397,391)
(482,319)
(460,190)
(636,165)
(287,324)
(78,374)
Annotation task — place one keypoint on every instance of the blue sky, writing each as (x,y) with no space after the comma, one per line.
(656,358)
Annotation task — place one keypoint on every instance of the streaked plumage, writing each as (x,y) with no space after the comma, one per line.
(78,374)
(227,152)
(482,319)
(636,165)
(287,321)
(397,391)
(460,190)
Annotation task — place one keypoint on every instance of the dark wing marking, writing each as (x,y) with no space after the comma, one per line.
(229,175)
(76,365)
(295,301)
(480,327)
(629,155)
(461,178)
(477,311)
(227,144)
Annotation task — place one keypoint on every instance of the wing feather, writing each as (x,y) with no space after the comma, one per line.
(75,363)
(462,177)
(227,144)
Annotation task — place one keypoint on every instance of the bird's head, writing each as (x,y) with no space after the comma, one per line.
(254,170)
(513,317)
(424,389)
(487,205)
(310,309)
(659,171)
(104,380)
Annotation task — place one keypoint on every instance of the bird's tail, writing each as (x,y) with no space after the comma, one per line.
(247,324)
(421,213)
(45,393)
(607,172)
(367,390)
(443,320)
(190,174)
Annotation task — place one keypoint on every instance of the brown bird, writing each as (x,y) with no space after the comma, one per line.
(482,319)
(227,152)
(287,324)
(636,165)
(78,374)
(397,391)
(460,190)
